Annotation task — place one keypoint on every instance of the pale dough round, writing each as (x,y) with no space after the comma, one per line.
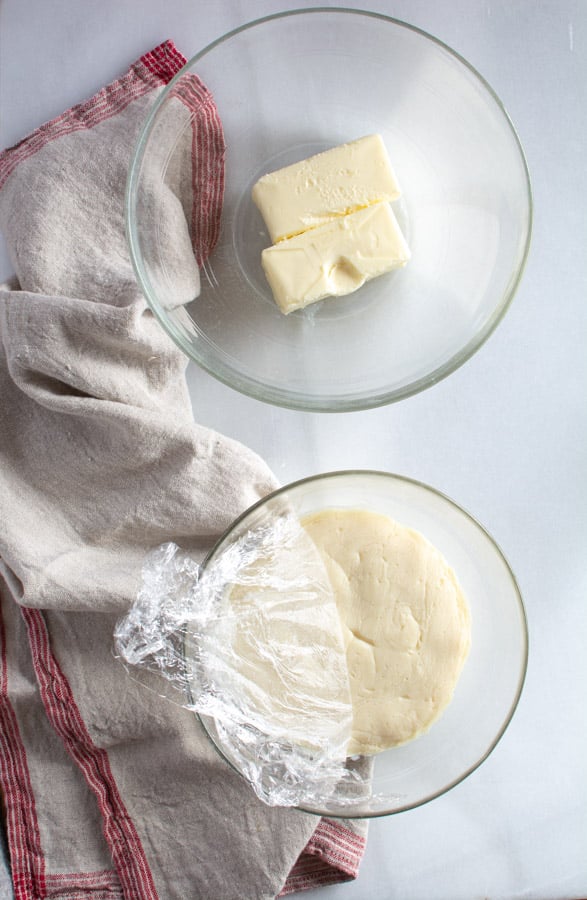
(405,620)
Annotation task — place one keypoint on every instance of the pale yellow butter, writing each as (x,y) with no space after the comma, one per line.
(316,190)
(336,258)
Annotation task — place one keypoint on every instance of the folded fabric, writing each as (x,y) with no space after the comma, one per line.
(111,791)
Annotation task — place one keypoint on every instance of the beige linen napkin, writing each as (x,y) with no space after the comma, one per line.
(111,791)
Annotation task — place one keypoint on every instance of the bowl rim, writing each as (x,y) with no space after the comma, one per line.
(253,387)
(379,473)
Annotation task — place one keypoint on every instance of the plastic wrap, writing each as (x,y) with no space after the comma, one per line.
(252,642)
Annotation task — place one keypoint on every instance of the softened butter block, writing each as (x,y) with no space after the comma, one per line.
(336,258)
(316,190)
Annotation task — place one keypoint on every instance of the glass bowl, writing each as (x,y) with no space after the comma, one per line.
(491,681)
(288,86)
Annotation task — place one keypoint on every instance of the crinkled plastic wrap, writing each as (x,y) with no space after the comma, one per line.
(253,643)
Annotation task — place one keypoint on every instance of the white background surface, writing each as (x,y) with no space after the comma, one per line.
(505,436)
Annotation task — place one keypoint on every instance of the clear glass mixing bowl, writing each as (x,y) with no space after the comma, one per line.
(490,684)
(286,87)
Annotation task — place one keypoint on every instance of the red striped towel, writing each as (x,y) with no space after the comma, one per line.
(110,791)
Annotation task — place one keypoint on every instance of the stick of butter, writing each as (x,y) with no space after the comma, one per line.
(316,190)
(336,258)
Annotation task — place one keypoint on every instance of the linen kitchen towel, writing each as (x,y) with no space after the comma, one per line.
(109,790)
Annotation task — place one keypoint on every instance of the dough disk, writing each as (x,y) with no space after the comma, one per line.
(405,621)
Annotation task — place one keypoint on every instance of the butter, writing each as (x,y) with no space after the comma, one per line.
(334,183)
(336,258)
(405,619)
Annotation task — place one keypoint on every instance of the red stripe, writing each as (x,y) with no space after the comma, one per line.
(119,830)
(338,845)
(103,878)
(102,885)
(208,152)
(332,855)
(164,61)
(153,69)
(325,876)
(216,154)
(336,838)
(24,841)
